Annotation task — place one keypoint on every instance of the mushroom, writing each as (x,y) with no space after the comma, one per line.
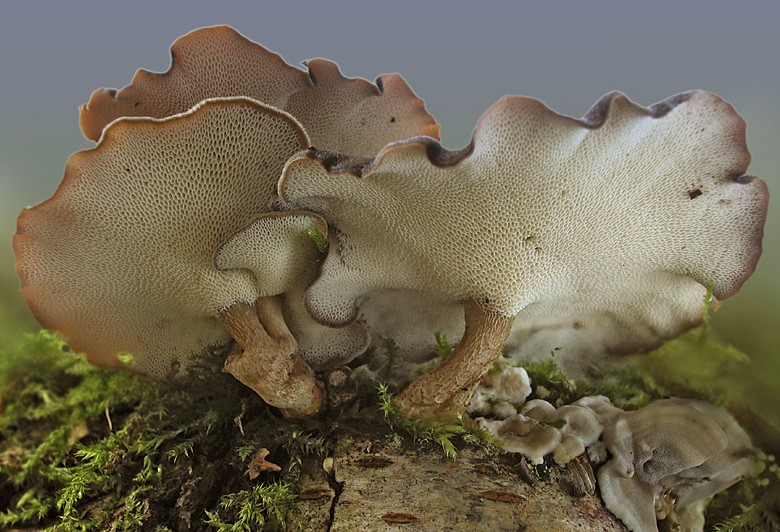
(322,347)
(524,435)
(616,224)
(346,115)
(500,392)
(542,429)
(721,470)
(666,457)
(582,429)
(121,259)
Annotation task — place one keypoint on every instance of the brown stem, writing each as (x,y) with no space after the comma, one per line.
(444,392)
(269,363)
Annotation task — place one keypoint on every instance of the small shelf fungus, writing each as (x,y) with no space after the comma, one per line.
(656,463)
(668,456)
(588,221)
(130,255)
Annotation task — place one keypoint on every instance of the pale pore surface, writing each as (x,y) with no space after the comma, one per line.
(576,336)
(612,225)
(689,448)
(120,259)
(322,347)
(346,115)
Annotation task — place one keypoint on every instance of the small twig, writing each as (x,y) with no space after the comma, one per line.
(108,418)
(237,419)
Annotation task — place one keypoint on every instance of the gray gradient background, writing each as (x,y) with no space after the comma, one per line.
(460,57)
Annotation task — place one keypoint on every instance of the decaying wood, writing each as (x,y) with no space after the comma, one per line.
(380,483)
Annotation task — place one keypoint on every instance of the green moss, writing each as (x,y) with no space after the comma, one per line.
(440,434)
(82,448)
(390,355)
(548,374)
(693,365)
(320,240)
(268,507)
(442,350)
(443,347)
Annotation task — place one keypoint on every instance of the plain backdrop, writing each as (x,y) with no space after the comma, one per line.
(459,56)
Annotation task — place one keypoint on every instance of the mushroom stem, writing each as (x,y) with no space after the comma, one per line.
(269,363)
(444,392)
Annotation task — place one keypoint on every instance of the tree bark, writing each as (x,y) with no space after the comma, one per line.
(378,481)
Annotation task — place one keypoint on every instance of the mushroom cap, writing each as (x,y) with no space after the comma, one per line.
(665,438)
(689,447)
(612,225)
(323,348)
(631,500)
(120,259)
(521,434)
(346,115)
(320,346)
(356,116)
(501,391)
(352,116)
(722,469)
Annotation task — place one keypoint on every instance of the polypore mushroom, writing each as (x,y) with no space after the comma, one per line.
(542,429)
(684,450)
(121,258)
(616,223)
(664,459)
(720,471)
(347,115)
(524,435)
(501,391)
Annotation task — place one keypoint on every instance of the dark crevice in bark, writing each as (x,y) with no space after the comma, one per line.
(337,487)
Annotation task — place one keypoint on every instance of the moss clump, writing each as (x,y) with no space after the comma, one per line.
(389,354)
(267,507)
(441,434)
(83,448)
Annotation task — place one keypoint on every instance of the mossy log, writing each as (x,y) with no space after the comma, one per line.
(87,449)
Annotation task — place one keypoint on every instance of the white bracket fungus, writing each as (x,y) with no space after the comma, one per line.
(617,223)
(667,456)
(122,258)
(503,388)
(659,462)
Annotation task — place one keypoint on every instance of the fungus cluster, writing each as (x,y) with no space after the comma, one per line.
(541,429)
(656,463)
(502,389)
(585,226)
(130,256)
(200,215)
(668,456)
